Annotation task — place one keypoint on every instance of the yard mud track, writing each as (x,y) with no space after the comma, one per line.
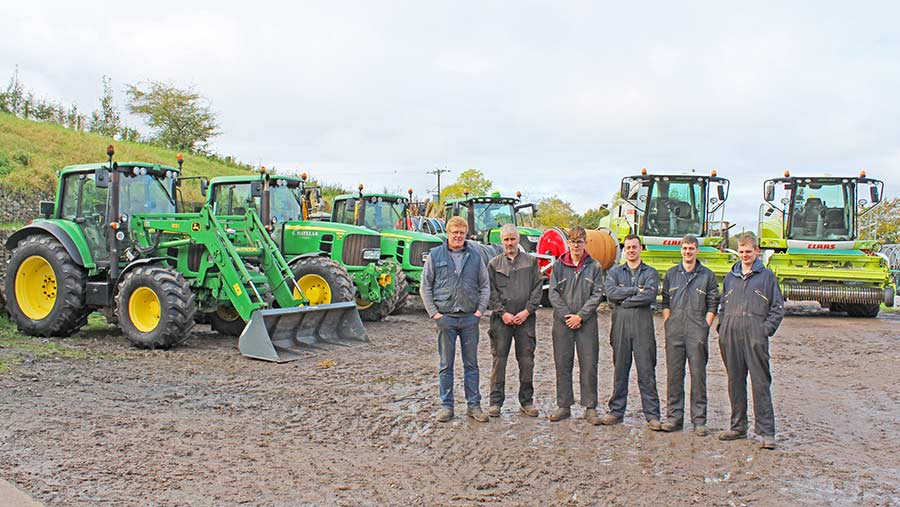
(202,426)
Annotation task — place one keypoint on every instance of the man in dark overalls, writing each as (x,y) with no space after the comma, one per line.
(631,288)
(690,299)
(750,312)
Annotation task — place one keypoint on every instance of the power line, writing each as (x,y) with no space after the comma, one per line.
(438,172)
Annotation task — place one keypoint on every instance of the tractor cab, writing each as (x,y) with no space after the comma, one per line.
(379,212)
(486,214)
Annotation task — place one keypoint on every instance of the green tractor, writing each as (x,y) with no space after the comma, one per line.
(663,208)
(331,262)
(487,213)
(113,241)
(812,236)
(389,215)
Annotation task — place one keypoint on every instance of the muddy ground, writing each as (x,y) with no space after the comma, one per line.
(202,426)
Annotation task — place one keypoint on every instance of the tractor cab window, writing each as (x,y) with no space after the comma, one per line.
(822,211)
(145,193)
(285,204)
(343,212)
(85,204)
(675,208)
(492,215)
(382,213)
(233,199)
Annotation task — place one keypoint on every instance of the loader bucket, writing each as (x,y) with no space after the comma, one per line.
(285,334)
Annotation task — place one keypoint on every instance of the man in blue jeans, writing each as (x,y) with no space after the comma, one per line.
(455,289)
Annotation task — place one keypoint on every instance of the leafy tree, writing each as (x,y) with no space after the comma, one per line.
(471,179)
(555,212)
(882,223)
(591,218)
(106,121)
(181,119)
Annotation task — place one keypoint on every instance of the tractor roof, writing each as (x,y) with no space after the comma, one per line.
(677,176)
(493,198)
(390,197)
(94,167)
(250,177)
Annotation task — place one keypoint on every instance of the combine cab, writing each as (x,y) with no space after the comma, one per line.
(663,208)
(113,241)
(331,262)
(487,213)
(400,241)
(813,236)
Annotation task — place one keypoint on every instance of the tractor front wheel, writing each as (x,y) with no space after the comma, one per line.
(322,280)
(402,290)
(45,288)
(226,320)
(155,307)
(373,311)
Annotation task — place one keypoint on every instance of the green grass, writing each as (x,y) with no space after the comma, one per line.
(15,347)
(47,148)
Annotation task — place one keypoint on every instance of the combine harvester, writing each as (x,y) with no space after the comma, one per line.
(113,241)
(663,208)
(813,237)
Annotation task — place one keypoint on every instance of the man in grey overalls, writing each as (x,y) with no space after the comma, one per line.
(516,285)
(750,312)
(631,289)
(690,297)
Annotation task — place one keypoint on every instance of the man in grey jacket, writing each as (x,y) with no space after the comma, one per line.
(576,287)
(631,288)
(455,289)
(750,312)
(690,297)
(515,295)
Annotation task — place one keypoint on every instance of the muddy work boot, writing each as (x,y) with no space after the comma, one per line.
(477,414)
(700,430)
(732,435)
(767,443)
(560,414)
(590,415)
(654,425)
(669,427)
(529,410)
(444,414)
(609,420)
(493,411)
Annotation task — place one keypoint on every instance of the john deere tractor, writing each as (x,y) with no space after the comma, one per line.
(812,233)
(663,208)
(331,262)
(389,215)
(487,213)
(112,240)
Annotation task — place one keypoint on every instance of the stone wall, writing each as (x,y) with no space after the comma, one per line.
(15,209)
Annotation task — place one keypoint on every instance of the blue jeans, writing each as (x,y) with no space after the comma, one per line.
(466,328)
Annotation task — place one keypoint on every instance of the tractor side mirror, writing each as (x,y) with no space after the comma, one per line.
(873,193)
(770,191)
(101,178)
(625,189)
(204,187)
(47,209)
(256,188)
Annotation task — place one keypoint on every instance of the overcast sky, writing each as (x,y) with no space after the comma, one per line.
(549,98)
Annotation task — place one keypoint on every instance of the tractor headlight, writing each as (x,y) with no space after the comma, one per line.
(533,239)
(371,254)
(120,235)
(143,171)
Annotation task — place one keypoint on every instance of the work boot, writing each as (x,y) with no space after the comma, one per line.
(669,427)
(529,410)
(767,443)
(444,414)
(493,411)
(609,420)
(732,435)
(700,430)
(560,414)
(590,415)
(477,414)
(654,425)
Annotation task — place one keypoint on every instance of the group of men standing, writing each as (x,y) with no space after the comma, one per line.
(458,287)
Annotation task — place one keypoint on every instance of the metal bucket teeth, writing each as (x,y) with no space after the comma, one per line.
(287,334)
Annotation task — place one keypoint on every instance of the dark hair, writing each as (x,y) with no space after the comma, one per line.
(690,239)
(633,236)
(576,232)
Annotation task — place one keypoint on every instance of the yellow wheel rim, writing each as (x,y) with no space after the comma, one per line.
(144,309)
(228,313)
(36,287)
(315,288)
(362,304)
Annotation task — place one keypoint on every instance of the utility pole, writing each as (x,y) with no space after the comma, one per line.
(438,172)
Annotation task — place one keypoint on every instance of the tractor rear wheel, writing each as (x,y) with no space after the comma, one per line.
(868,311)
(155,307)
(45,288)
(401,292)
(322,280)
(226,320)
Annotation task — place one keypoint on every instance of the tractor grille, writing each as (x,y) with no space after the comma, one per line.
(419,248)
(355,244)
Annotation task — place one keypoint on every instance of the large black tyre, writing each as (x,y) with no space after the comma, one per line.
(372,311)
(155,307)
(226,320)
(401,291)
(323,280)
(867,311)
(45,288)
